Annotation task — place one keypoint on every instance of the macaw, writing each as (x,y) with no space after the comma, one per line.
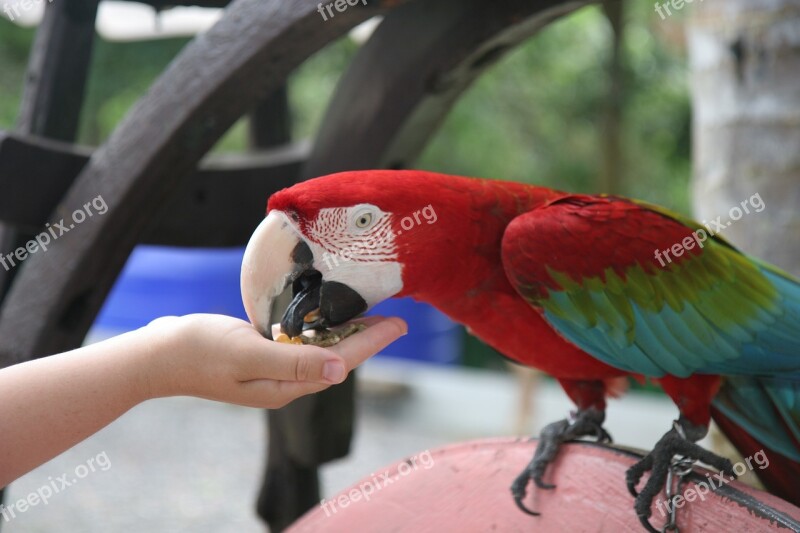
(570,284)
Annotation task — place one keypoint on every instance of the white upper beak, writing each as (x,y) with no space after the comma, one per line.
(268,267)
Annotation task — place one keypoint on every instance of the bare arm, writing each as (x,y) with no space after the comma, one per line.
(51,404)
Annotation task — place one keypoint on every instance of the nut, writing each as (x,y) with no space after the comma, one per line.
(286,339)
(324,338)
(312,316)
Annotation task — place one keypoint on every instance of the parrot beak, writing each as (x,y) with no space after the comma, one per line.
(277,256)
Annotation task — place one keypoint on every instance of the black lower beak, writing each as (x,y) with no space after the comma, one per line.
(306,295)
(337,303)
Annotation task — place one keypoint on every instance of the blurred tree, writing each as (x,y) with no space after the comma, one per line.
(612,168)
(15,43)
(745,59)
(537,116)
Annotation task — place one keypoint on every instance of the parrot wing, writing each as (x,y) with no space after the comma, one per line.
(589,264)
(597,269)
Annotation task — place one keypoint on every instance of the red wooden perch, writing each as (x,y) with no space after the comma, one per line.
(465,487)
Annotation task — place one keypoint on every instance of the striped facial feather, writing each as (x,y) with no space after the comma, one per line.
(356,246)
(361,233)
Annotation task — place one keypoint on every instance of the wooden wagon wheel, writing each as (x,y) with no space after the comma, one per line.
(412,70)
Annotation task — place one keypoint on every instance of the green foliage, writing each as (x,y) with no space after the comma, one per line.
(310,88)
(312,84)
(14,45)
(120,73)
(535,116)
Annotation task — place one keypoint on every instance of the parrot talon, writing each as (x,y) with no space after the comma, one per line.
(635,473)
(518,501)
(586,422)
(648,527)
(661,463)
(541,484)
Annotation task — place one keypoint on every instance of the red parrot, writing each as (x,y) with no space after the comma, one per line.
(574,285)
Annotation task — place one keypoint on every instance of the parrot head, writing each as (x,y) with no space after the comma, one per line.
(344,243)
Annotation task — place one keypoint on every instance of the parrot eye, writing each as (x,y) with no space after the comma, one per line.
(363,220)
(363,217)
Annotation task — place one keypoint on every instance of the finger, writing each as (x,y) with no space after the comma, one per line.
(367,320)
(359,347)
(291,362)
(270,394)
(162,320)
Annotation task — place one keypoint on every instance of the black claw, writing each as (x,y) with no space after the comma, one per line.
(586,423)
(518,490)
(542,485)
(635,473)
(632,487)
(524,509)
(645,521)
(679,441)
(603,436)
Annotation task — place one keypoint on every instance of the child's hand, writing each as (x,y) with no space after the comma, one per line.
(54,402)
(226,359)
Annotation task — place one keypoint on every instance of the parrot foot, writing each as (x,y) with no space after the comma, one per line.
(678,441)
(583,423)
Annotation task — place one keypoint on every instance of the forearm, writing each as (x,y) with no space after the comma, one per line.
(51,404)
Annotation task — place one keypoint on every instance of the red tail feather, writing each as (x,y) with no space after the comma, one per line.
(781,477)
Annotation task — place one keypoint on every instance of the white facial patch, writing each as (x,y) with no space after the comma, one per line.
(356,246)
